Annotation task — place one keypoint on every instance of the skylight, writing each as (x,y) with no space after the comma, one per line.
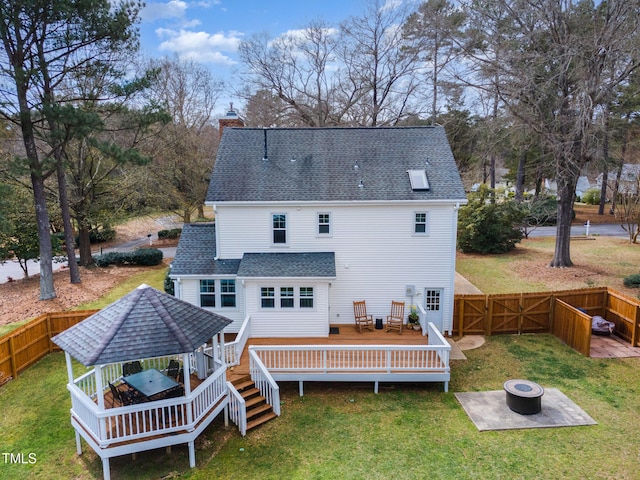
(418,179)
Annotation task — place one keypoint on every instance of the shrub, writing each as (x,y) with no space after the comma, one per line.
(167,234)
(486,226)
(591,197)
(142,256)
(168,285)
(632,281)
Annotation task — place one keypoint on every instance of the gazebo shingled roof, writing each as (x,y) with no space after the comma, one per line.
(144,323)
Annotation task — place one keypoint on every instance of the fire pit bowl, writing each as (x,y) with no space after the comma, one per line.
(523,396)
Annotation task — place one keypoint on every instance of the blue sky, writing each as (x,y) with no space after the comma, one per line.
(211,30)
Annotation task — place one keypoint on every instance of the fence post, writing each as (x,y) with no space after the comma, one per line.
(49,332)
(461,304)
(488,308)
(12,358)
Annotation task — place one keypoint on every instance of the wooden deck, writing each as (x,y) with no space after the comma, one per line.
(348,335)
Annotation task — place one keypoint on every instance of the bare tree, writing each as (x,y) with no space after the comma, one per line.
(185,148)
(380,66)
(295,68)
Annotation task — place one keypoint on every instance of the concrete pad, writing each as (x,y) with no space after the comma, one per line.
(469,342)
(456,352)
(462,286)
(489,411)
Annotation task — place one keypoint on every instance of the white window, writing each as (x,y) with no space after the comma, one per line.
(207,293)
(432,300)
(286,297)
(421,223)
(227,293)
(268,297)
(324,224)
(306,297)
(279,224)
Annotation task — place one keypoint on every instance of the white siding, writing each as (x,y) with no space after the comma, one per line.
(190,292)
(377,253)
(288,322)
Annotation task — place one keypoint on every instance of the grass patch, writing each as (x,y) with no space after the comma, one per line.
(346,431)
(605,261)
(154,277)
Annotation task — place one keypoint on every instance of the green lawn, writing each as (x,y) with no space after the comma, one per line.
(347,431)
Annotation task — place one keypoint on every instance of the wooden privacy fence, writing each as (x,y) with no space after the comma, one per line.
(541,312)
(21,348)
(548,312)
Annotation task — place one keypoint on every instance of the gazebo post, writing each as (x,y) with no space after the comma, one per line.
(106,471)
(67,358)
(187,374)
(97,369)
(192,454)
(223,357)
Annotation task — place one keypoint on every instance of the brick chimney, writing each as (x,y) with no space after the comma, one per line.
(231,119)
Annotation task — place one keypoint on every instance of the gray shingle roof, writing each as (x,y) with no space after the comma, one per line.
(196,253)
(323,166)
(144,323)
(315,264)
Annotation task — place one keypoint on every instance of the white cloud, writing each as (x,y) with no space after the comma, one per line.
(201,46)
(157,11)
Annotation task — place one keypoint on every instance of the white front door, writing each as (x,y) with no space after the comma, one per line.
(433,306)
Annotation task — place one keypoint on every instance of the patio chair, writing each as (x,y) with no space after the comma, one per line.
(360,314)
(173,369)
(123,398)
(130,368)
(396,318)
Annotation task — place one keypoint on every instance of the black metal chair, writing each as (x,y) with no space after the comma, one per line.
(130,368)
(173,369)
(123,398)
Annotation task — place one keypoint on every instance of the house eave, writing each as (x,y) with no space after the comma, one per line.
(243,203)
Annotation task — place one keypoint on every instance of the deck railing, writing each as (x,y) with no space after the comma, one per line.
(233,350)
(237,409)
(143,420)
(358,362)
(268,387)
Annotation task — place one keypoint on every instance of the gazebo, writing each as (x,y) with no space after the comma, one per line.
(119,414)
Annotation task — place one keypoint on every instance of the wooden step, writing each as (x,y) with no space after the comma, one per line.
(243,384)
(249,392)
(260,420)
(254,401)
(260,409)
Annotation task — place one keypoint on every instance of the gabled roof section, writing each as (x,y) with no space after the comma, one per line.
(145,323)
(333,164)
(291,265)
(196,253)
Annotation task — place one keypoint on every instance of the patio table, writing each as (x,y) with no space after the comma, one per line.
(150,382)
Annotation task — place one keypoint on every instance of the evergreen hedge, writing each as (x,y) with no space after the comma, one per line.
(141,256)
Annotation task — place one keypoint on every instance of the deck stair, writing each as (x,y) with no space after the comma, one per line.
(258,410)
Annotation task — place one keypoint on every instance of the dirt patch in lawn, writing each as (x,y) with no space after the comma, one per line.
(19,299)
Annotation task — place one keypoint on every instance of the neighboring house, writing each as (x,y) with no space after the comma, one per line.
(582,185)
(309,220)
(629,178)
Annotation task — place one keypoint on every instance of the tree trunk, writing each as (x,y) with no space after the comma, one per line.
(47,291)
(84,243)
(200,211)
(520,178)
(603,190)
(566,197)
(74,272)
